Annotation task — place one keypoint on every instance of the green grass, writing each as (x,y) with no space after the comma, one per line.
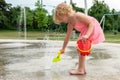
(111,37)
(32,35)
(36,35)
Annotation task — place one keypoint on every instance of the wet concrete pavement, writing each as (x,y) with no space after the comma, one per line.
(32,60)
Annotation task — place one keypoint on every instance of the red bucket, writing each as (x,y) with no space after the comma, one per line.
(84,47)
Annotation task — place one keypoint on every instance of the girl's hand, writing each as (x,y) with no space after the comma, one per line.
(84,38)
(62,51)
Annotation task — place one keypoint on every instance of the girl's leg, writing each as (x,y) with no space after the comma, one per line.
(81,66)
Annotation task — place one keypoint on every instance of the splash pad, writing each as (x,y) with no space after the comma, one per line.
(32,59)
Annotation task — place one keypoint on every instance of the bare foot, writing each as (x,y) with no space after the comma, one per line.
(77,72)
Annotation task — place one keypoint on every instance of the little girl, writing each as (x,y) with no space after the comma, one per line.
(88,27)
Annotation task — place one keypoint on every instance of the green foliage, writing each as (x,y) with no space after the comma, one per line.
(112,21)
(41,18)
(4,14)
(29,18)
(14,17)
(98,9)
(40,15)
(77,9)
(38,19)
(38,4)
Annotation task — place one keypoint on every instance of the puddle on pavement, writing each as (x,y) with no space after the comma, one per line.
(33,61)
(99,54)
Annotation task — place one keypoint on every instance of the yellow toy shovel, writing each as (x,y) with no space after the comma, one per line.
(58,58)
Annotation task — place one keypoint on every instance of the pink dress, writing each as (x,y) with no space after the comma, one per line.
(97,36)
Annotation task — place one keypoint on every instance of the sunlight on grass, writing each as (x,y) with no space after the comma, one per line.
(36,35)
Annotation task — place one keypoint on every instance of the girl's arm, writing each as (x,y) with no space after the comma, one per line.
(67,37)
(84,18)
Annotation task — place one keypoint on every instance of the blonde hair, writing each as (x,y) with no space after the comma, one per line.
(61,9)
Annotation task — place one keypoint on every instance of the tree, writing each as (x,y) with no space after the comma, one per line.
(14,17)
(29,18)
(77,9)
(115,20)
(98,9)
(4,14)
(40,15)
